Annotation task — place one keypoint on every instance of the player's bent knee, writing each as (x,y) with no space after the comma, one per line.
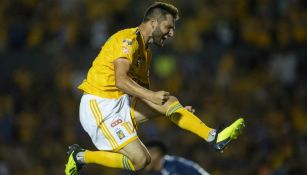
(166,105)
(140,162)
(171,100)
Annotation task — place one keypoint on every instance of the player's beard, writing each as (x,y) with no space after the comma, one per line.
(157,37)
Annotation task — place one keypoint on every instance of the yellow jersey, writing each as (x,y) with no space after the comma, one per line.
(127,43)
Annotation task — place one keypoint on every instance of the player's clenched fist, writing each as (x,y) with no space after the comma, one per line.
(160,97)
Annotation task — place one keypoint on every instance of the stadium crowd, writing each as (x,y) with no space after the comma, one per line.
(229,58)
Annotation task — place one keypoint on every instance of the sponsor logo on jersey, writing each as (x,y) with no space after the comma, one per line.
(116,122)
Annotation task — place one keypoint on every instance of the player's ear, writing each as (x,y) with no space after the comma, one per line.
(153,23)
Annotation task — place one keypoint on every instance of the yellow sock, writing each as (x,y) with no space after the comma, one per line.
(108,159)
(188,121)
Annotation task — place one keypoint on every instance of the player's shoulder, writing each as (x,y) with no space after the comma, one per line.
(127,36)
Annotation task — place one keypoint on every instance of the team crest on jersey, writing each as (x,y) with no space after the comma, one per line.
(126,46)
(120,134)
(127,42)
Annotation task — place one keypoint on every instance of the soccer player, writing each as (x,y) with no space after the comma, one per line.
(117,98)
(163,164)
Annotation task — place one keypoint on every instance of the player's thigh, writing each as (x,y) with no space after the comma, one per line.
(149,109)
(143,112)
(137,153)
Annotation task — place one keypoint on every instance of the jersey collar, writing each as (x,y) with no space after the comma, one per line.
(138,33)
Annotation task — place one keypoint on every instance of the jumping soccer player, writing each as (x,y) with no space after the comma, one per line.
(117,98)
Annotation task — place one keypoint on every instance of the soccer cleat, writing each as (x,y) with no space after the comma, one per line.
(228,134)
(73,166)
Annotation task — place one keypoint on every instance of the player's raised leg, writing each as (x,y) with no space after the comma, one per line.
(188,121)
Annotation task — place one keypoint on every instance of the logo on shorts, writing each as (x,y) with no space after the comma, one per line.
(116,122)
(120,134)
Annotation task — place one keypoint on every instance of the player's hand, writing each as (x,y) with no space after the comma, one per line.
(190,109)
(160,97)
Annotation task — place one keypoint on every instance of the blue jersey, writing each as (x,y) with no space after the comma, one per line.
(174,165)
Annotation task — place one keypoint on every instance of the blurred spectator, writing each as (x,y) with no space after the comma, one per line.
(162,163)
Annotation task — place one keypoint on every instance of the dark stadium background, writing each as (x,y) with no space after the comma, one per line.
(229,59)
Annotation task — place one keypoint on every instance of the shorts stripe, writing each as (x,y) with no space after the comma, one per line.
(99,123)
(98,116)
(94,112)
(104,126)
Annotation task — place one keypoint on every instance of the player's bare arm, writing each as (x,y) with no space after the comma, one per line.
(127,85)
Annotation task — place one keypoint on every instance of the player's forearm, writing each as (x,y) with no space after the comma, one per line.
(127,85)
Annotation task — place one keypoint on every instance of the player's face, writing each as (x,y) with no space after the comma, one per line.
(164,30)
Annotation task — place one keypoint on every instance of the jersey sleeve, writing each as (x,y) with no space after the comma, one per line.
(126,48)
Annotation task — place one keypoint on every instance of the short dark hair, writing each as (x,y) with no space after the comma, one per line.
(158,10)
(157,144)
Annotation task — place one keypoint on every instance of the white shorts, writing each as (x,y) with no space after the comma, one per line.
(109,122)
